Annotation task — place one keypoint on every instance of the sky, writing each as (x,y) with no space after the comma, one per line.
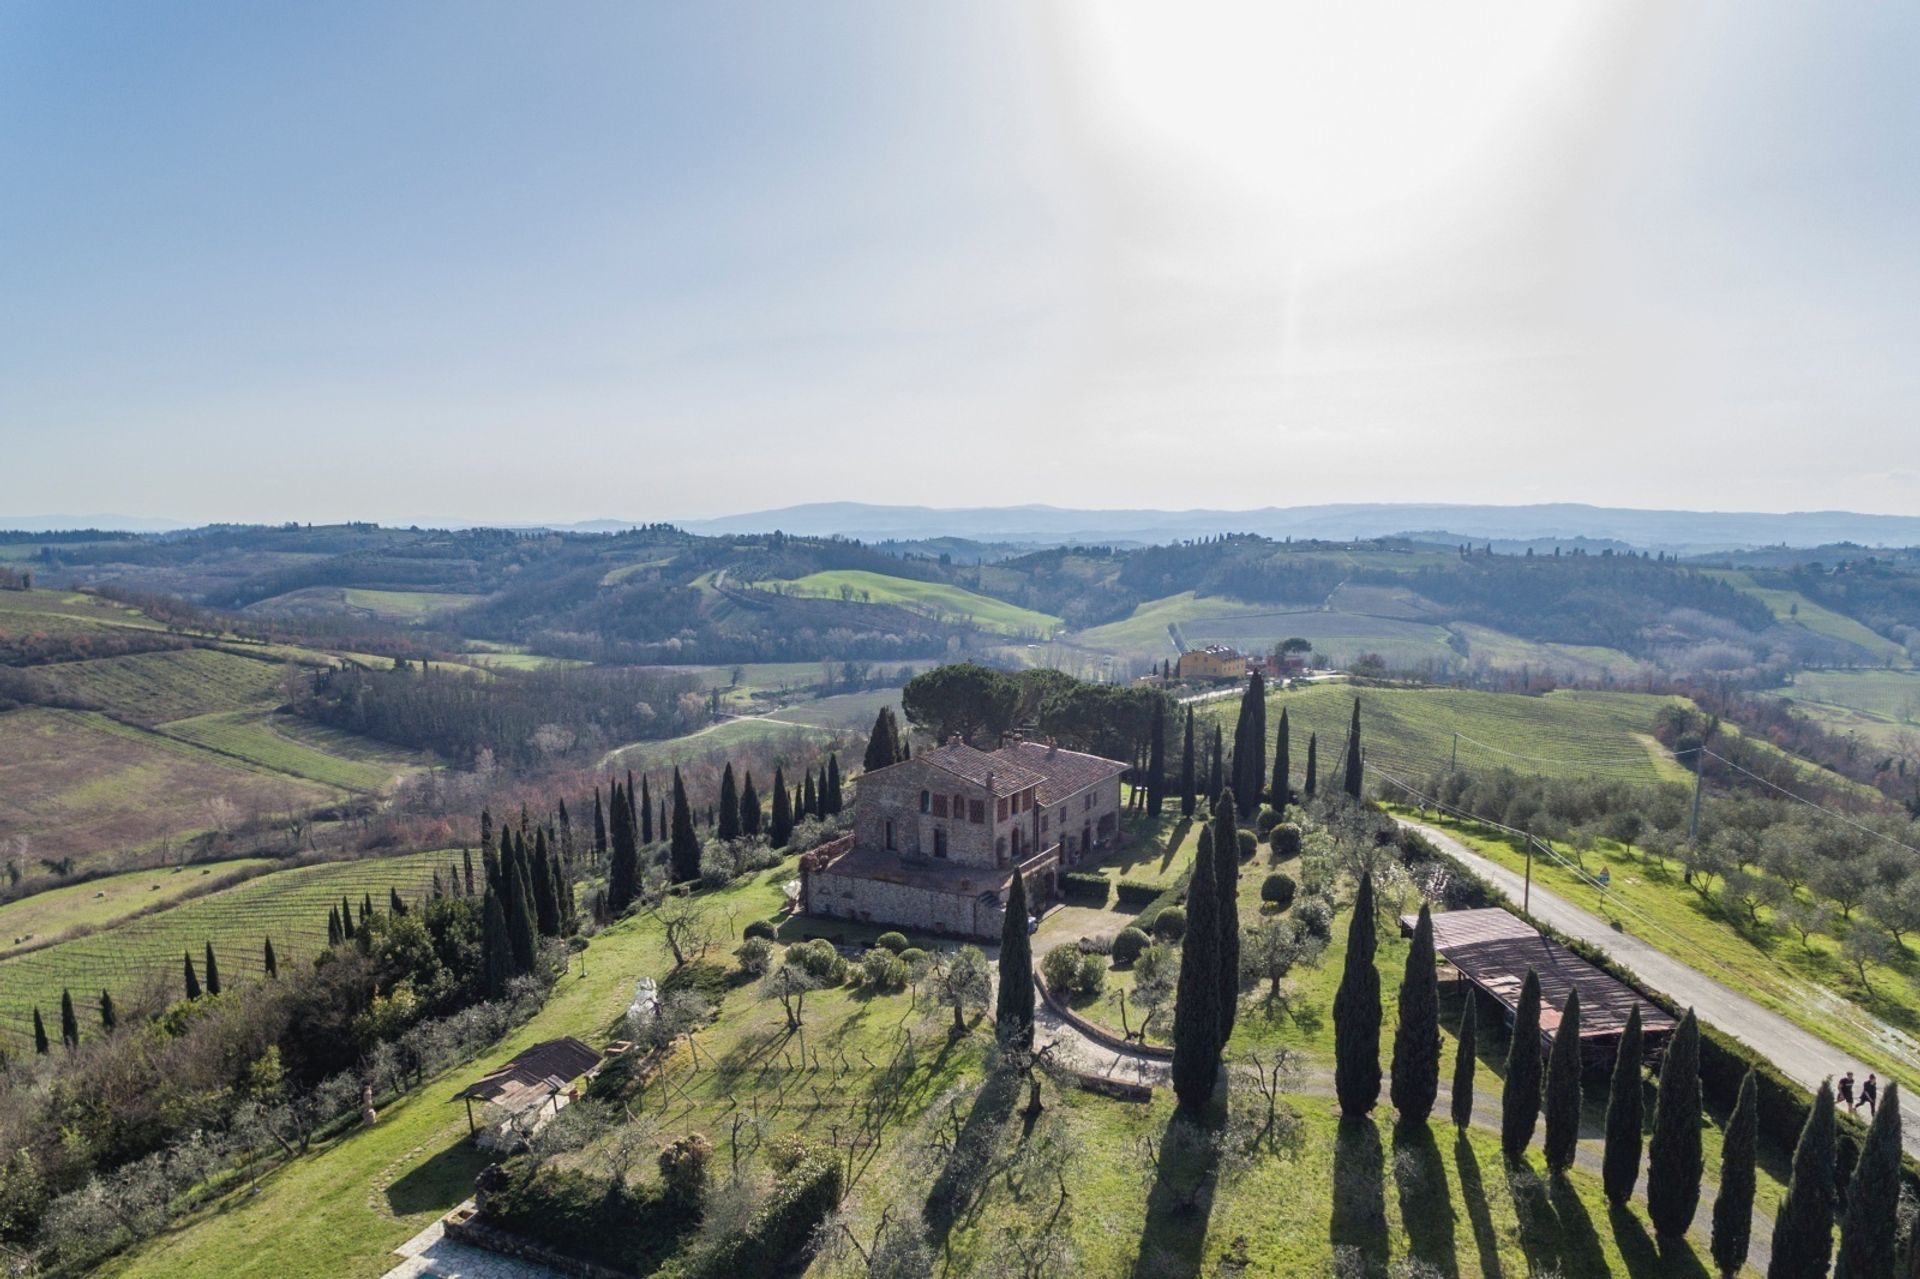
(481,263)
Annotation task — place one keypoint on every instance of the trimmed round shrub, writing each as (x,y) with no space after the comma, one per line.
(1315,916)
(683,1171)
(913,957)
(1128,945)
(1093,973)
(784,1154)
(1249,845)
(760,928)
(1286,840)
(1278,888)
(884,971)
(895,942)
(1061,968)
(1170,924)
(756,956)
(820,959)
(1264,821)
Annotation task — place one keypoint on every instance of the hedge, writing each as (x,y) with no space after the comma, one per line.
(1136,892)
(1084,883)
(571,1212)
(799,1203)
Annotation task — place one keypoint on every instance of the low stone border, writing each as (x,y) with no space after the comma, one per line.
(1095,1031)
(469,1227)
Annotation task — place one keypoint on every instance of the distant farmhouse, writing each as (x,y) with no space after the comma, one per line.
(936,839)
(1221,662)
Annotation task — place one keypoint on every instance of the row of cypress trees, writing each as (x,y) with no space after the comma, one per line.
(1210,770)
(110,1015)
(1207,998)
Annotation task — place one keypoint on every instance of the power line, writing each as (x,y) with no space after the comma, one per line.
(1834,813)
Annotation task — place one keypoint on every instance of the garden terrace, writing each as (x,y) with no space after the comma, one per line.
(1493,949)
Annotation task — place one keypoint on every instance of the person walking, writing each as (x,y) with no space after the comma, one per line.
(1869,1092)
(1845,1091)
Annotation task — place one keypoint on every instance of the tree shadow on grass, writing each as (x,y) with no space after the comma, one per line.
(439,1183)
(969,1163)
(1186,1176)
(1426,1203)
(1645,1257)
(1359,1193)
(1580,1247)
(1473,1189)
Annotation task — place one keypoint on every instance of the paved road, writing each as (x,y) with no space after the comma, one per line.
(1800,1055)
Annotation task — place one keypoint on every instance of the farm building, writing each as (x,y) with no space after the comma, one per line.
(1215,661)
(528,1090)
(937,838)
(1492,950)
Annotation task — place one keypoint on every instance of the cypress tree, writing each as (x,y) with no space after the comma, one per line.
(192,978)
(1464,1061)
(809,800)
(486,837)
(1733,1206)
(1013,1003)
(1354,779)
(1563,1088)
(1620,1164)
(466,856)
(1520,1103)
(346,919)
(1872,1218)
(1226,884)
(334,935)
(729,804)
(751,818)
(1356,1013)
(1803,1226)
(660,817)
(1216,770)
(1416,1038)
(69,1022)
(1282,775)
(519,912)
(109,1016)
(1189,798)
(633,811)
(496,956)
(833,799)
(366,903)
(646,813)
(40,1044)
(883,743)
(213,972)
(599,829)
(683,853)
(1196,1008)
(623,864)
(1674,1160)
(1250,746)
(546,902)
(780,823)
(1313,765)
(272,964)
(1157,759)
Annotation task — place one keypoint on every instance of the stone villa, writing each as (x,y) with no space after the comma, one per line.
(936,839)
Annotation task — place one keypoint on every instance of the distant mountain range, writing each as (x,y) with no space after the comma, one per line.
(1567,521)
(1680,531)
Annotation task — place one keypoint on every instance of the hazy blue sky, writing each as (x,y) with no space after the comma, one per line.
(464,261)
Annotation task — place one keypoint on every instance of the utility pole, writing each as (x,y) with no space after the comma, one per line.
(1699,780)
(1526,892)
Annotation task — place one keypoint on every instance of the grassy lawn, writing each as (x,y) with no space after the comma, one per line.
(404,606)
(290,906)
(1808,983)
(931,599)
(112,897)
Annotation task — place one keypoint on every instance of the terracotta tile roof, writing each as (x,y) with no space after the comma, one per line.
(528,1075)
(1064,772)
(976,766)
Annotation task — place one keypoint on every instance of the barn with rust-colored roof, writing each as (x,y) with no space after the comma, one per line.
(1492,950)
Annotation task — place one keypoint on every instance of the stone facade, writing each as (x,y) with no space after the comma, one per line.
(936,839)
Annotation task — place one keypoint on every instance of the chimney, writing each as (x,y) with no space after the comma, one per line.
(1053,747)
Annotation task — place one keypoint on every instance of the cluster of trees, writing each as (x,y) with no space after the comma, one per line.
(528,718)
(528,896)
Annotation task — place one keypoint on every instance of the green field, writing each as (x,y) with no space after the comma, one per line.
(66,612)
(1590,662)
(1255,628)
(1792,608)
(151,687)
(98,902)
(1410,732)
(404,606)
(76,784)
(930,599)
(290,906)
(727,735)
(1882,707)
(260,739)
